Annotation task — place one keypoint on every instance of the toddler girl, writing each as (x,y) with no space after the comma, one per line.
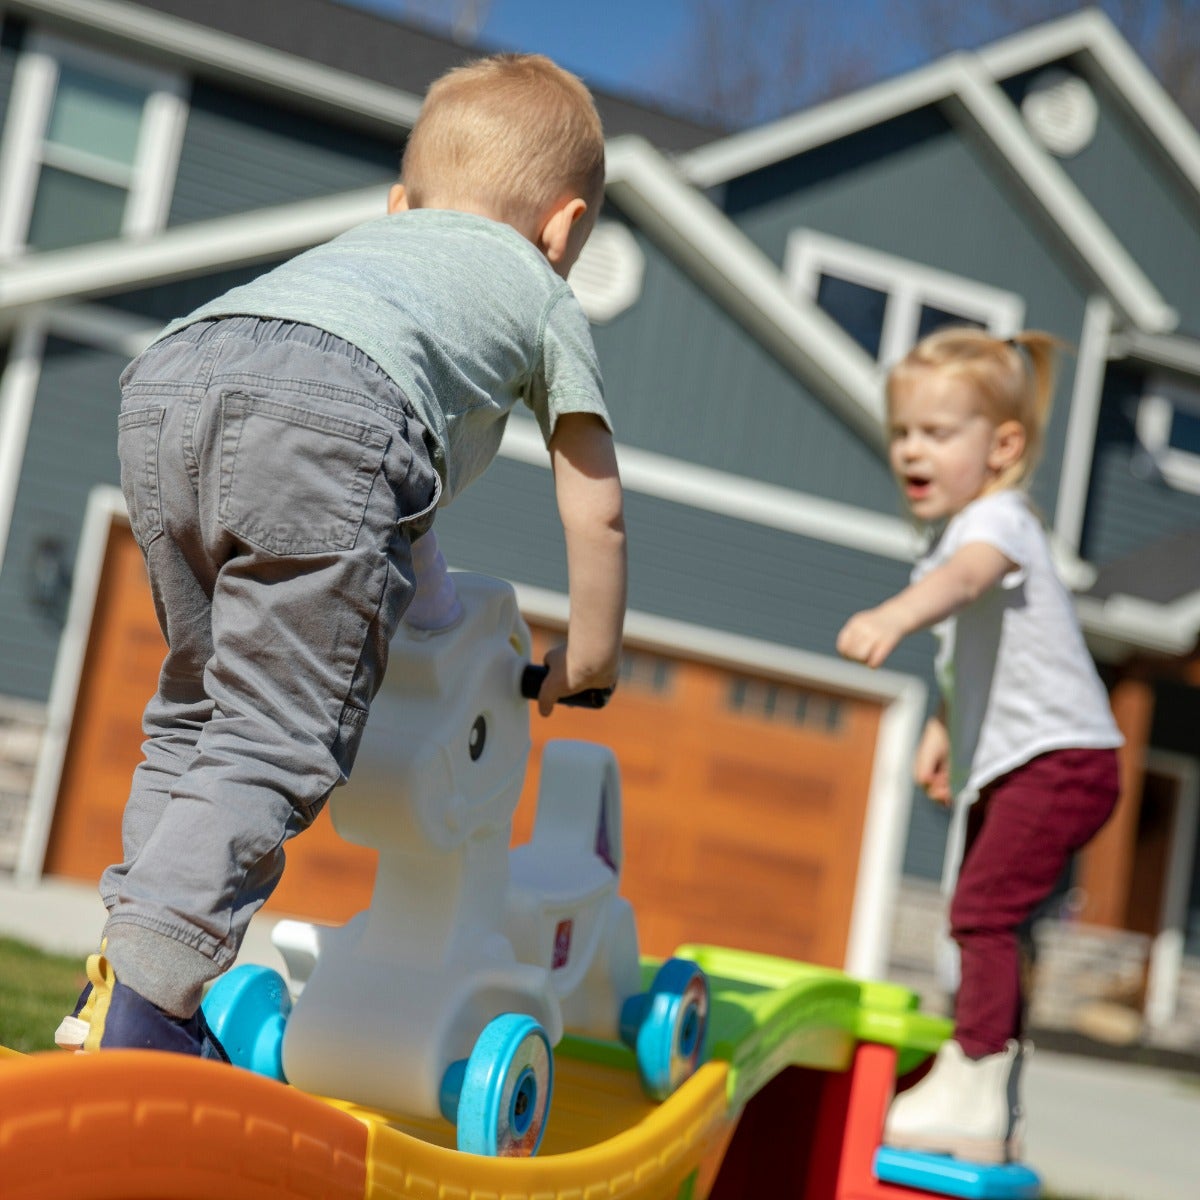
(1025,735)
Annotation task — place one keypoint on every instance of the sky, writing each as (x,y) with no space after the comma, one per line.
(634,47)
(796,53)
(620,45)
(640,48)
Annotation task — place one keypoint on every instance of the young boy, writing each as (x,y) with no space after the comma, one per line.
(281,448)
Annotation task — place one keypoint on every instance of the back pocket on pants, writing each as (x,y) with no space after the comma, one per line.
(138,432)
(295,481)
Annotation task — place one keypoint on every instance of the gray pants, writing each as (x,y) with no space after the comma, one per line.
(275,478)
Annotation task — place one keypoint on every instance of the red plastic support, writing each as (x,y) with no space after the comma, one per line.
(849,1127)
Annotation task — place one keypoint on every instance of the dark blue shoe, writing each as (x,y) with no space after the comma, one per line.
(131,1022)
(111,1016)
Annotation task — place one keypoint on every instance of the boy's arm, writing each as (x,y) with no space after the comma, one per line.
(870,636)
(590,504)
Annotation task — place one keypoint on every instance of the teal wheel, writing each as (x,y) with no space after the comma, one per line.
(670,1038)
(504,1096)
(247,1009)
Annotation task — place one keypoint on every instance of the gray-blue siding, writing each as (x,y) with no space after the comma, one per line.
(9,41)
(1129,505)
(684,379)
(71,446)
(240,154)
(914,187)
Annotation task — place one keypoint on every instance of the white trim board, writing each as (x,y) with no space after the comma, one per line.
(1080,440)
(233,57)
(18,390)
(184,251)
(736,496)
(1166,949)
(105,505)
(889,801)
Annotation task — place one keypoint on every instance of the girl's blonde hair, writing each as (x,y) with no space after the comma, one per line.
(1013,377)
(512,133)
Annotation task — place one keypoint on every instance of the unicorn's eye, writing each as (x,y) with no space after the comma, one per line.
(478,737)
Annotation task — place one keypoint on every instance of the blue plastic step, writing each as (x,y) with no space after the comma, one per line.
(948,1176)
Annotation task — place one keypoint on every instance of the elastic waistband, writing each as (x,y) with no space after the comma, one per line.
(265,329)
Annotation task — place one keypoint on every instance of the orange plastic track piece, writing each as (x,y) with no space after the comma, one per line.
(141,1125)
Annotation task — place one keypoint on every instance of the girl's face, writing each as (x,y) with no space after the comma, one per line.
(943,449)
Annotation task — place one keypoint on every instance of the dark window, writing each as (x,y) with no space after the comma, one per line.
(857,309)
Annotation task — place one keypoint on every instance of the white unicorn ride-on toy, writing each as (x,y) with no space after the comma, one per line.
(447,994)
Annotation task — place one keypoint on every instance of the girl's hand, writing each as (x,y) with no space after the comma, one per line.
(931,766)
(870,636)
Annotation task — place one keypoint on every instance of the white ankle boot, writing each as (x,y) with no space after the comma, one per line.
(965,1107)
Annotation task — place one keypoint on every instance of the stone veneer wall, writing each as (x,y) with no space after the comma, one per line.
(1084,979)
(21,728)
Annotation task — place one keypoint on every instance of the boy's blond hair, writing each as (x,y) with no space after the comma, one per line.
(1013,378)
(511,134)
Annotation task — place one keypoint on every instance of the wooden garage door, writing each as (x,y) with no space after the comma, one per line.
(744,797)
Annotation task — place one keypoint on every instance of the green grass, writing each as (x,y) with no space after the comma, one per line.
(36,990)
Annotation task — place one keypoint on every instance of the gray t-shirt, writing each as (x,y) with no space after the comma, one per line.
(1012,666)
(463,313)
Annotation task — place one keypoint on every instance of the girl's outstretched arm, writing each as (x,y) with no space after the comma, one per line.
(870,636)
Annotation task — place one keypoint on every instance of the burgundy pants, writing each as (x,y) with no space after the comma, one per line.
(1021,833)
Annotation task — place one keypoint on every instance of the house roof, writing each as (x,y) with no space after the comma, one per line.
(966,87)
(315,51)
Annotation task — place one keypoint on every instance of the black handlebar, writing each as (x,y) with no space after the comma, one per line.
(531,683)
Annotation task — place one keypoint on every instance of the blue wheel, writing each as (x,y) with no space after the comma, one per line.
(670,1037)
(247,1009)
(503,1089)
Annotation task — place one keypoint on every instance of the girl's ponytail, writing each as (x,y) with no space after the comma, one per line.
(1042,351)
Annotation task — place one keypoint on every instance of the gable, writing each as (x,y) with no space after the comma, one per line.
(915,187)
(1128,179)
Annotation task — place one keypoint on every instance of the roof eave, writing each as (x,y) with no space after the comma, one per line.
(1121,625)
(230,57)
(184,251)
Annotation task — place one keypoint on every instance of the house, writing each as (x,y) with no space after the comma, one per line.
(746,292)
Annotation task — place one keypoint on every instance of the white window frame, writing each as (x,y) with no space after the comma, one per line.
(1179,468)
(908,285)
(151,177)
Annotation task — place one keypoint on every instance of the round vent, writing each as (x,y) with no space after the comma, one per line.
(607,276)
(1060,110)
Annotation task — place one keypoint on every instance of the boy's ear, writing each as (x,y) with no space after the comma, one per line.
(397,199)
(556,228)
(1008,445)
